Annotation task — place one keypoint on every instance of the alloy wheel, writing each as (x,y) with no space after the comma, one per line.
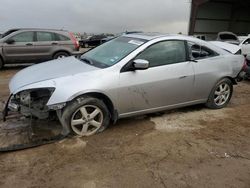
(87,120)
(222,94)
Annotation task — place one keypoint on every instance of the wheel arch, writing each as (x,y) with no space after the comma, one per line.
(58,51)
(231,79)
(107,101)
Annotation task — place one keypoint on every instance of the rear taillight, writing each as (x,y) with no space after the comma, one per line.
(75,41)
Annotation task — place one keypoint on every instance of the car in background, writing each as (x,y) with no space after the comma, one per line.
(234,49)
(130,75)
(202,37)
(92,41)
(247,67)
(36,45)
(245,46)
(229,37)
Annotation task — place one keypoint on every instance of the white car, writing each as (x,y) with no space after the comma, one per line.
(245,46)
(229,37)
(234,49)
(130,75)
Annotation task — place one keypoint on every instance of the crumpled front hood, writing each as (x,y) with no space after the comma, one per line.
(49,70)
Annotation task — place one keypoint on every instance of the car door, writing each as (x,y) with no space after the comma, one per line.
(45,44)
(21,49)
(245,47)
(207,68)
(168,81)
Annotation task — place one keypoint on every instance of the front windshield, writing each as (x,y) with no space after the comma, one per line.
(112,52)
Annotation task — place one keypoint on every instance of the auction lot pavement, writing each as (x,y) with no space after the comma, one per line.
(189,147)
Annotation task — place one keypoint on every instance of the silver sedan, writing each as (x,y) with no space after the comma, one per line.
(130,75)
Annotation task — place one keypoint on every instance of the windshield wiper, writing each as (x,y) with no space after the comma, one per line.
(94,63)
(87,61)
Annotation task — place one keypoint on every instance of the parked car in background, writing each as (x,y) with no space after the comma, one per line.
(245,46)
(234,49)
(92,41)
(202,37)
(131,75)
(247,67)
(241,38)
(228,37)
(36,45)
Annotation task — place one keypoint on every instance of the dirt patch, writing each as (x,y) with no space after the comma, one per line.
(189,147)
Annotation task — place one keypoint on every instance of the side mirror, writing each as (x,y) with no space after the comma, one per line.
(10,41)
(140,64)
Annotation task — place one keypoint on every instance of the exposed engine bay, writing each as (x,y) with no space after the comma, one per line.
(31,102)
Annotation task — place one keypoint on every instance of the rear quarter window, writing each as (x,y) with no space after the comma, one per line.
(60,37)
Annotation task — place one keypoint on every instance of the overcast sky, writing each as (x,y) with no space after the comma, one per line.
(97,16)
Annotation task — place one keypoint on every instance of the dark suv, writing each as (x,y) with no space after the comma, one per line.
(92,41)
(36,45)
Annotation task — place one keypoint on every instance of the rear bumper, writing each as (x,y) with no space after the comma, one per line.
(240,76)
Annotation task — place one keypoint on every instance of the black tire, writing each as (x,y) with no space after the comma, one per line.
(86,45)
(59,55)
(212,97)
(1,63)
(73,108)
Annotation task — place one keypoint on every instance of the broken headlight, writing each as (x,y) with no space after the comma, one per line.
(36,98)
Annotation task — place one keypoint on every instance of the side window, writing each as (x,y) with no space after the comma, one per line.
(44,36)
(200,52)
(164,53)
(24,37)
(61,37)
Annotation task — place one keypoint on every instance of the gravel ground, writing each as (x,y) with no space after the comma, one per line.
(189,147)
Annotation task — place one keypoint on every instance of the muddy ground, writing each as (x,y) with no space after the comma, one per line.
(189,147)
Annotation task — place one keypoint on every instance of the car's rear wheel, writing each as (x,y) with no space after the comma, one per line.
(86,116)
(220,94)
(60,55)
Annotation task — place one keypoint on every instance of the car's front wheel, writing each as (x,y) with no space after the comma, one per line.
(86,116)
(220,94)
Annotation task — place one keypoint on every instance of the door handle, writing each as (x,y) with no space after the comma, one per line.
(182,77)
(54,43)
(29,44)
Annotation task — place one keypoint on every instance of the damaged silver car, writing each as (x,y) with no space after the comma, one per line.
(131,75)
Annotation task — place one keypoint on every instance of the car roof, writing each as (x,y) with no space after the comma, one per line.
(147,36)
(17,29)
(152,36)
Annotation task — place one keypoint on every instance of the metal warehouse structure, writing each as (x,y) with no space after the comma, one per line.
(208,17)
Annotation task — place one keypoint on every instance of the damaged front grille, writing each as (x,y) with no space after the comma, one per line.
(32,102)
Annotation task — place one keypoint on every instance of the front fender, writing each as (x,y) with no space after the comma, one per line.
(44,84)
